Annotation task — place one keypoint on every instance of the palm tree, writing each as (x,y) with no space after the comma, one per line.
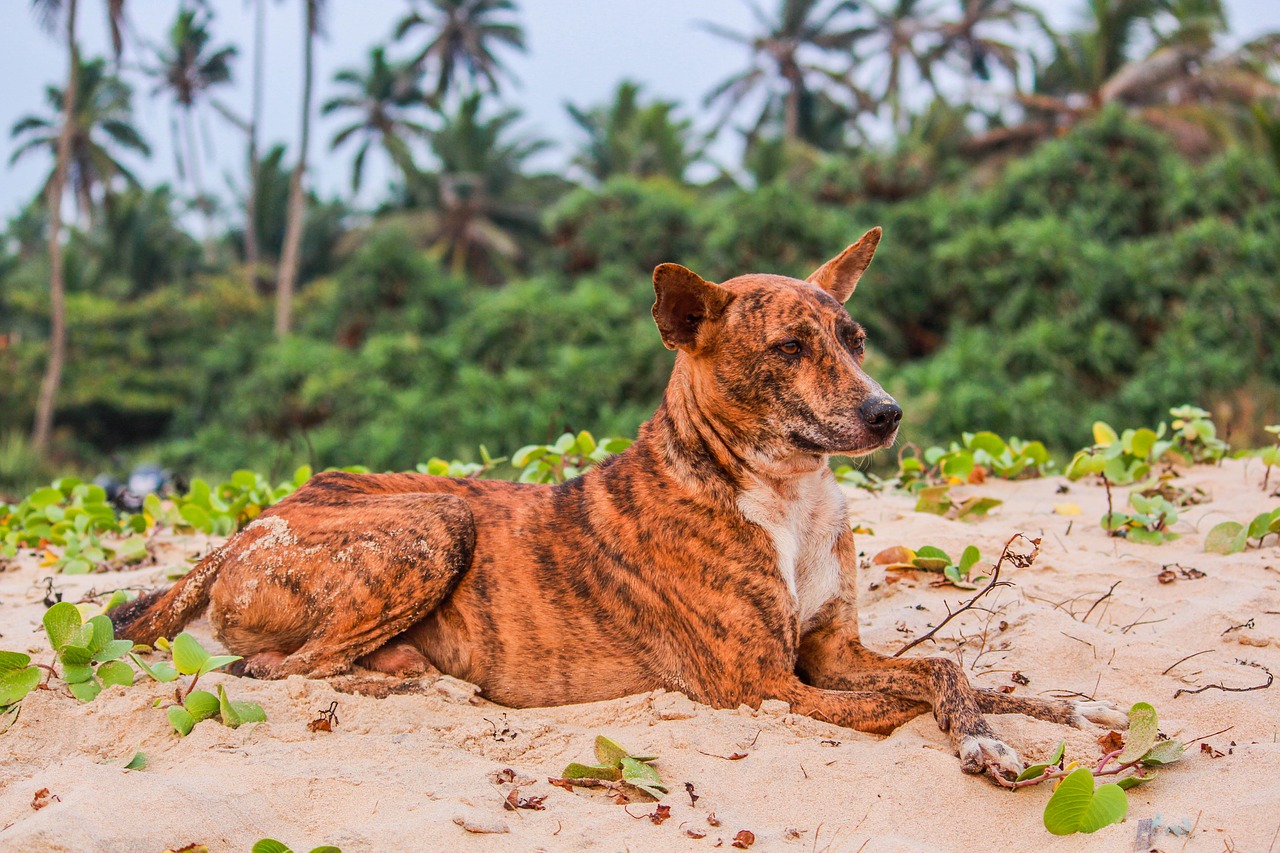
(474,221)
(966,37)
(189,67)
(49,11)
(382,96)
(627,137)
(784,60)
(463,37)
(288,272)
(102,118)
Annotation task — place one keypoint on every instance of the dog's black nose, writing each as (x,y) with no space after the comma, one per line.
(881,416)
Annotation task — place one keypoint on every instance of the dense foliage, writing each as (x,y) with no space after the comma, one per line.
(1104,277)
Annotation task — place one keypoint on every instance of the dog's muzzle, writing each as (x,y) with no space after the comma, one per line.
(881,416)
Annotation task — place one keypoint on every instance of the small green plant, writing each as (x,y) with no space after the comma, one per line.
(1270,456)
(847,475)
(1120,459)
(192,705)
(567,458)
(618,765)
(1076,805)
(1148,523)
(270,845)
(959,574)
(1232,537)
(223,510)
(938,501)
(469,470)
(75,524)
(90,655)
(1195,436)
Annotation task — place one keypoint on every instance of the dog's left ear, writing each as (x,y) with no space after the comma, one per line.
(685,301)
(839,276)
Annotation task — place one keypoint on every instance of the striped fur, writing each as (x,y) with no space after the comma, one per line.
(713,557)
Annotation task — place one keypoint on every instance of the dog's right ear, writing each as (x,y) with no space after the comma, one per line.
(685,301)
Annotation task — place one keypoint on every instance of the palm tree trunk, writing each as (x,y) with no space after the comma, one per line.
(255,120)
(43,429)
(297,200)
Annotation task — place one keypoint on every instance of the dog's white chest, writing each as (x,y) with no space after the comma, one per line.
(804,524)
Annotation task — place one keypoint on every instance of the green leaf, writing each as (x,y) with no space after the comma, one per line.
(217,662)
(163,671)
(116,672)
(988,442)
(592,771)
(199,494)
(1143,730)
(103,633)
(197,517)
(1134,781)
(970,556)
(75,655)
(610,752)
(181,720)
(586,443)
(13,662)
(235,714)
(114,650)
(41,498)
(975,507)
(527,454)
(61,621)
(201,704)
(1257,528)
(188,654)
(301,475)
(85,691)
(76,673)
(1225,538)
(642,776)
(325,848)
(934,500)
(959,465)
(1147,537)
(1165,752)
(138,762)
(1141,443)
(17,683)
(1077,807)
(270,845)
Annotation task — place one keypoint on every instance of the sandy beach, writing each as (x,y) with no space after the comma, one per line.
(419,772)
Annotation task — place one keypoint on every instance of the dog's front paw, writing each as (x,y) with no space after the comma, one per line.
(978,753)
(1101,713)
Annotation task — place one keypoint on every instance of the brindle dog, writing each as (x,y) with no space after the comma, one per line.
(713,557)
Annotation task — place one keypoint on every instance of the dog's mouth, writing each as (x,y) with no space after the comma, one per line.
(843,446)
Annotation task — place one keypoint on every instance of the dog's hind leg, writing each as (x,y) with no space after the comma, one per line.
(325,585)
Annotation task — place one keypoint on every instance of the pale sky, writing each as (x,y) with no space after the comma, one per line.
(578,51)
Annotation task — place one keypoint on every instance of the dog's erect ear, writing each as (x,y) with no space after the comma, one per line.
(685,301)
(839,276)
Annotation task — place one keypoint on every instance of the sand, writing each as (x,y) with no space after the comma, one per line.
(408,772)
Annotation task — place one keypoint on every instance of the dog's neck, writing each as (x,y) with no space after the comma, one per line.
(704,448)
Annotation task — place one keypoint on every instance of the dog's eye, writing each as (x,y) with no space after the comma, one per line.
(789,347)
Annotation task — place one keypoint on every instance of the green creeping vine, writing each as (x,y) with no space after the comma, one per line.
(1076,805)
(191,705)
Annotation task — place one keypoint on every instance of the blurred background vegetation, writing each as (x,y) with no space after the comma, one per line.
(1093,233)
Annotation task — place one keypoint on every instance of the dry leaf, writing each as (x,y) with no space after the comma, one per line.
(744,839)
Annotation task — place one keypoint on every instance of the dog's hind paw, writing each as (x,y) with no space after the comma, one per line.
(980,752)
(1101,713)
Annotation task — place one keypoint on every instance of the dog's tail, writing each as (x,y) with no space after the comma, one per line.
(166,611)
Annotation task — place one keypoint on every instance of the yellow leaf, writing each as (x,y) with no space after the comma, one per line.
(49,558)
(863,529)
(897,555)
(1104,435)
(1066,509)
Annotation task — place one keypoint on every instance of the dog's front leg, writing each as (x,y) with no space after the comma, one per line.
(831,657)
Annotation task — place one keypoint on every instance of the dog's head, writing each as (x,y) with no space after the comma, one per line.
(777,362)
